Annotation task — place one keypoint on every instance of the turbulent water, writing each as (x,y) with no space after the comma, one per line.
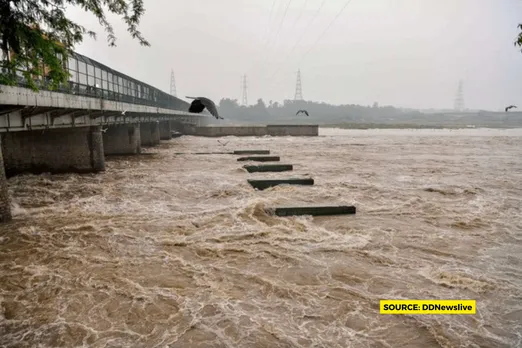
(176,250)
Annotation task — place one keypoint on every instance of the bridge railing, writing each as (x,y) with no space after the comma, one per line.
(93,79)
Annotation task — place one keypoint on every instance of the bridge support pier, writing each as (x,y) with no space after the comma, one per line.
(122,140)
(165,131)
(177,126)
(77,150)
(5,203)
(149,133)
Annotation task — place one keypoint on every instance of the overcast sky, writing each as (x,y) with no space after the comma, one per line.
(407,53)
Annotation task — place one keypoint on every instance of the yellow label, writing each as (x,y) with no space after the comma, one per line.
(428,307)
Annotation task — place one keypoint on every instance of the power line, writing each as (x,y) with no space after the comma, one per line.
(318,39)
(271,12)
(268,35)
(300,38)
(269,26)
(293,25)
(283,19)
(328,27)
(300,14)
(278,30)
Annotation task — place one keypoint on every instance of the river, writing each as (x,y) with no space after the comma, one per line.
(176,250)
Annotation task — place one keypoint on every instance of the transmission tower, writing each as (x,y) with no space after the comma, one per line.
(298,90)
(244,91)
(459,99)
(172,83)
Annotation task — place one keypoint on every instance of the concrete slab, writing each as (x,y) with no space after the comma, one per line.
(260,158)
(269,168)
(264,184)
(313,210)
(252,152)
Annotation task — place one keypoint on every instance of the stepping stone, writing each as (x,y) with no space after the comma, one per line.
(314,210)
(269,168)
(252,152)
(260,158)
(264,184)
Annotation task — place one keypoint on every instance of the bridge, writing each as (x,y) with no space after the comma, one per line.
(99,112)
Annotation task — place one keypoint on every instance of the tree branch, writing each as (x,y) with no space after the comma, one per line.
(35,33)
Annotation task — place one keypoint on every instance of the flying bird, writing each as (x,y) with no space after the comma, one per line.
(224,144)
(510,107)
(200,103)
(306,112)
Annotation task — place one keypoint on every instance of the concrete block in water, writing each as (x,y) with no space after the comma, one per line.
(211,153)
(264,184)
(122,139)
(314,210)
(260,158)
(164,130)
(250,130)
(203,153)
(5,202)
(62,150)
(269,168)
(149,134)
(252,152)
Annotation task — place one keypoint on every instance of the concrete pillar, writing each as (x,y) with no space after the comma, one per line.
(75,149)
(149,133)
(5,203)
(177,126)
(165,131)
(122,140)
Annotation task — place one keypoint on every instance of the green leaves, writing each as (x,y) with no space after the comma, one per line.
(518,42)
(36,36)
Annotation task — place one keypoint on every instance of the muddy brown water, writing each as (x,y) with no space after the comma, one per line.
(168,250)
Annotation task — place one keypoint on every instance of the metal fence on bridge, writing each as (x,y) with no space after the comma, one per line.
(93,79)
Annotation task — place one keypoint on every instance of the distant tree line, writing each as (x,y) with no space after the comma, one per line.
(274,111)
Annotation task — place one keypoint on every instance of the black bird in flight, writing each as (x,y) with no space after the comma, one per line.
(510,107)
(200,103)
(306,112)
(224,143)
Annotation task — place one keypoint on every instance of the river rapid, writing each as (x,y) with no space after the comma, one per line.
(176,250)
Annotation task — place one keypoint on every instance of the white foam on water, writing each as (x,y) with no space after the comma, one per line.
(172,250)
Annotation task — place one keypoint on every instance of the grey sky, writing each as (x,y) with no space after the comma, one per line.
(408,53)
